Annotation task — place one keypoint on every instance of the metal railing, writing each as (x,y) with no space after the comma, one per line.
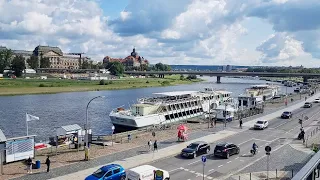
(310,170)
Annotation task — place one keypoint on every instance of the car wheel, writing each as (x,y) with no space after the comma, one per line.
(238,151)
(166,178)
(194,155)
(123,178)
(227,156)
(207,151)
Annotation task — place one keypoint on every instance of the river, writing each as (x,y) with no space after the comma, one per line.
(60,109)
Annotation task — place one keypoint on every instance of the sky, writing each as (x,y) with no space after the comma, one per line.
(188,32)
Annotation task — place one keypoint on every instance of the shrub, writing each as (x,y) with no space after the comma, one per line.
(181,77)
(147,82)
(42,85)
(190,77)
(165,83)
(102,82)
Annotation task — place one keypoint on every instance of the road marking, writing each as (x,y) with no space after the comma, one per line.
(211,170)
(175,169)
(236,158)
(220,166)
(245,141)
(241,160)
(261,140)
(281,124)
(192,171)
(194,162)
(229,162)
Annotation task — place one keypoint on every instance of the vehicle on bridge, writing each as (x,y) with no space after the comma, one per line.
(226,150)
(307,105)
(195,149)
(108,172)
(261,124)
(286,115)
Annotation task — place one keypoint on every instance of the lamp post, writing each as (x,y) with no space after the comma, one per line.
(86,138)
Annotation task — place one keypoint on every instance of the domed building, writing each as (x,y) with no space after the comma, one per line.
(132,61)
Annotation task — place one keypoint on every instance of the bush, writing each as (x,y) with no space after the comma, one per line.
(190,77)
(147,82)
(102,82)
(165,83)
(42,85)
(181,77)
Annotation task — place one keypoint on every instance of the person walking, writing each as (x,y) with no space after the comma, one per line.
(155,146)
(240,123)
(149,144)
(48,162)
(29,165)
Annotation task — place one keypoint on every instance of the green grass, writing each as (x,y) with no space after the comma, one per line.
(37,86)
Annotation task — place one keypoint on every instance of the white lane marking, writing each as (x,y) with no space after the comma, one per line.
(241,160)
(266,144)
(220,166)
(209,177)
(245,141)
(236,158)
(175,169)
(229,162)
(211,170)
(194,162)
(281,124)
(261,140)
(192,171)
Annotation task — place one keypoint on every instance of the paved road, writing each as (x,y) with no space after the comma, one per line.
(279,133)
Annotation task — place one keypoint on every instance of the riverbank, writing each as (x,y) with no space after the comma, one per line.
(10,87)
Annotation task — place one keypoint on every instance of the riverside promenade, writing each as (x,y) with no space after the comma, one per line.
(138,155)
(175,149)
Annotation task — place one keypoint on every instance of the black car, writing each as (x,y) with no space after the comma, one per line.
(195,149)
(226,150)
(307,105)
(286,115)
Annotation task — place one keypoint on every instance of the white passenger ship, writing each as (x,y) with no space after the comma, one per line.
(168,107)
(265,91)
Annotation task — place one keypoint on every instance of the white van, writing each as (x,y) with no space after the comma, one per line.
(145,172)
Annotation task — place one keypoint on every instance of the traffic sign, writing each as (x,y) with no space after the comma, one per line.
(300,121)
(268,149)
(203,159)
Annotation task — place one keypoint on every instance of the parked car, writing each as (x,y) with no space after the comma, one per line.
(317,100)
(286,115)
(108,172)
(195,149)
(145,172)
(261,124)
(226,150)
(307,105)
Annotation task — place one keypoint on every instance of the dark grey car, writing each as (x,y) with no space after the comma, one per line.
(195,149)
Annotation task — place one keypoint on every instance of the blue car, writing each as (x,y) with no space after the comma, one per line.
(108,172)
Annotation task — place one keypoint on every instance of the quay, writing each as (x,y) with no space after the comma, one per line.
(132,155)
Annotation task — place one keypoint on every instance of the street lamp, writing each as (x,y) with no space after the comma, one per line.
(86,138)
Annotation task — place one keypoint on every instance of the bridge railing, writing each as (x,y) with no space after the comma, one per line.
(311,170)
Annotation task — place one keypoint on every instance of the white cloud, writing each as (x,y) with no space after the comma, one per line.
(174,32)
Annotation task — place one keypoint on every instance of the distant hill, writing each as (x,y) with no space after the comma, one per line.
(201,67)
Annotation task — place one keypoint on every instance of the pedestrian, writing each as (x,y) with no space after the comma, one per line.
(149,144)
(48,162)
(305,98)
(155,146)
(29,165)
(153,134)
(302,135)
(240,123)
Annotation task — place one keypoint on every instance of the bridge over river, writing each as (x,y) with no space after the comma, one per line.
(305,76)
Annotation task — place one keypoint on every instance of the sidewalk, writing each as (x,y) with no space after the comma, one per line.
(172,150)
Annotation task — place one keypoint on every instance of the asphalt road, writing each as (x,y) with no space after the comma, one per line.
(279,133)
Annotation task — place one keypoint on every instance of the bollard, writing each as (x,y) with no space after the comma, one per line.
(276,173)
(239,177)
(292,173)
(250,176)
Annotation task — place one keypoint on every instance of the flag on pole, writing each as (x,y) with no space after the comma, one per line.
(30,117)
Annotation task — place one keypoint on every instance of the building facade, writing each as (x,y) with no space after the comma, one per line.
(59,60)
(131,61)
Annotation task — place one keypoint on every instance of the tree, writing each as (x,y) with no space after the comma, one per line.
(162,67)
(85,64)
(33,62)
(115,68)
(45,62)
(18,65)
(5,58)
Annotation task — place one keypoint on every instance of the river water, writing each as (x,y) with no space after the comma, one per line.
(60,109)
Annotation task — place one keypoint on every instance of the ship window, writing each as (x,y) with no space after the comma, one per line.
(201,109)
(180,114)
(245,103)
(196,102)
(171,116)
(175,115)
(169,107)
(174,107)
(167,117)
(184,113)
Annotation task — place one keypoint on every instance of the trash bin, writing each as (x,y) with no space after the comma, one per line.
(38,164)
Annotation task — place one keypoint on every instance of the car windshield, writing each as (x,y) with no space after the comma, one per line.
(306,103)
(193,146)
(286,112)
(99,173)
(259,122)
(220,147)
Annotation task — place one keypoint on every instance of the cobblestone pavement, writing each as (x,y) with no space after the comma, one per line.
(78,165)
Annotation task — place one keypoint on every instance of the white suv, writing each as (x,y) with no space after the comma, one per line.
(261,124)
